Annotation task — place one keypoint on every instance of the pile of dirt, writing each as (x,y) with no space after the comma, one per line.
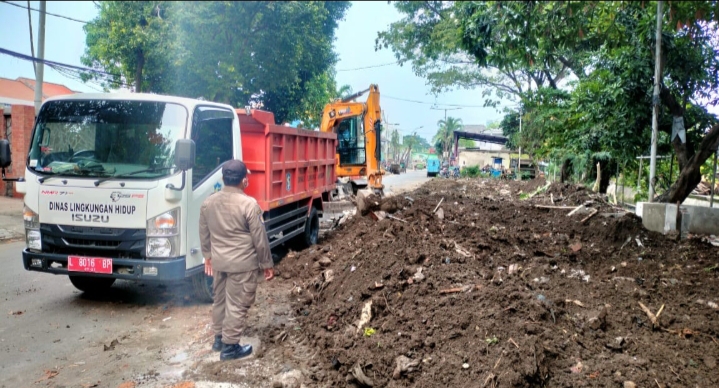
(490,290)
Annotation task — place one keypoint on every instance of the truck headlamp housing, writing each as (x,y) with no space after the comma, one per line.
(33,237)
(163,235)
(30,218)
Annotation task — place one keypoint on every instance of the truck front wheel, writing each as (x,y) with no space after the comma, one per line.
(90,284)
(203,287)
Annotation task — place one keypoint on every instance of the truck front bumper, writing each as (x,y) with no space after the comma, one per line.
(173,268)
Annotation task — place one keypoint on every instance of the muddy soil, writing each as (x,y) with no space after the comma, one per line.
(494,291)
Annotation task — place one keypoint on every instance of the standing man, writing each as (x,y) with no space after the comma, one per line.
(237,254)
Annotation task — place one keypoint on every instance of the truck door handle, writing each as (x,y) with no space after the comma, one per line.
(194,250)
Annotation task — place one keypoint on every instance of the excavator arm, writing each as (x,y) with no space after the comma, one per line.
(358,127)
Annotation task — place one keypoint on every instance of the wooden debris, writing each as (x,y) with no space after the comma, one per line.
(513,343)
(376,286)
(576,209)
(437,207)
(554,207)
(652,317)
(578,303)
(460,289)
(592,214)
(396,218)
(378,215)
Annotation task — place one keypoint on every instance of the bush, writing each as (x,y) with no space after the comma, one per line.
(470,172)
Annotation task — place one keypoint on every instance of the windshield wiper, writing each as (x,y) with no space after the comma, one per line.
(78,170)
(153,169)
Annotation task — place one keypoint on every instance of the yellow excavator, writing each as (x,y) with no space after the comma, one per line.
(358,126)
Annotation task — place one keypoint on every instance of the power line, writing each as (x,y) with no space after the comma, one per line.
(369,67)
(48,62)
(46,13)
(54,64)
(432,103)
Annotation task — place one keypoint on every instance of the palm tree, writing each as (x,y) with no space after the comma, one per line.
(445,133)
(343,91)
(394,143)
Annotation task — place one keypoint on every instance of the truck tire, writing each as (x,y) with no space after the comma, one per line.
(311,233)
(202,285)
(91,284)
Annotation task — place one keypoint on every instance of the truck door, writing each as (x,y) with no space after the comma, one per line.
(216,133)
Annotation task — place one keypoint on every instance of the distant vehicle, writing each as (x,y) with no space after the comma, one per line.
(433,167)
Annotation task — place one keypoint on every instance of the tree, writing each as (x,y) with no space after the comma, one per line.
(394,144)
(529,50)
(411,142)
(445,133)
(273,55)
(132,41)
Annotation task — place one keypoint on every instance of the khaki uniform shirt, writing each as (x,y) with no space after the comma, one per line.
(232,232)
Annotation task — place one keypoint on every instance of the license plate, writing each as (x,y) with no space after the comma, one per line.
(89,264)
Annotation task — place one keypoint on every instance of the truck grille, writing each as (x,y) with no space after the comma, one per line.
(93,241)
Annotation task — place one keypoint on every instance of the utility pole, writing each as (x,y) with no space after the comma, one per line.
(445,111)
(519,158)
(40,66)
(655,102)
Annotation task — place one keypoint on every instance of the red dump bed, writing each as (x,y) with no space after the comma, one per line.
(286,164)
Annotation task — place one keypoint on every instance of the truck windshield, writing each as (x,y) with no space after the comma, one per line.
(94,138)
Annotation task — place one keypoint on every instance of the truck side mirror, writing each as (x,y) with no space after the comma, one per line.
(5,158)
(185,154)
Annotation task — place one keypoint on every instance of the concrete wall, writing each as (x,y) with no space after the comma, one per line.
(661,217)
(482,158)
(19,132)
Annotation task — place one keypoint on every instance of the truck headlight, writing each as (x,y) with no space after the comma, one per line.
(33,237)
(159,247)
(163,234)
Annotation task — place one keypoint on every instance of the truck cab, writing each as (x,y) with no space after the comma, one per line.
(114,183)
(433,166)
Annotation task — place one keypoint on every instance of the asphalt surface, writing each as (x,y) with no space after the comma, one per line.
(53,335)
(50,332)
(405,181)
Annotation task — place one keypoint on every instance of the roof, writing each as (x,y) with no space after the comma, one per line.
(22,90)
(187,102)
(481,129)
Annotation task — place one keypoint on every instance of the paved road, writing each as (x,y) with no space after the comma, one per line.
(405,181)
(52,334)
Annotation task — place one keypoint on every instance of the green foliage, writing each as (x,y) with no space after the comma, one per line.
(273,55)
(510,129)
(528,50)
(445,133)
(467,143)
(131,38)
(470,172)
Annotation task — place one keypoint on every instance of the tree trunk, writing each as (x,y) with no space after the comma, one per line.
(690,175)
(138,71)
(566,170)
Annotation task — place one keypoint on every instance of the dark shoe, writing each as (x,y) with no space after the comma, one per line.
(217,346)
(234,352)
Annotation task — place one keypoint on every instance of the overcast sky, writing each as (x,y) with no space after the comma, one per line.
(65,43)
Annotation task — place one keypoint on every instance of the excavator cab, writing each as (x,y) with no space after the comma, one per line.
(351,142)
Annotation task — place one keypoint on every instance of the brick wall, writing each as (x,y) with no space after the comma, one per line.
(23,118)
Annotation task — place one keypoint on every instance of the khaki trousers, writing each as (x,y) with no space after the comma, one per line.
(234,294)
